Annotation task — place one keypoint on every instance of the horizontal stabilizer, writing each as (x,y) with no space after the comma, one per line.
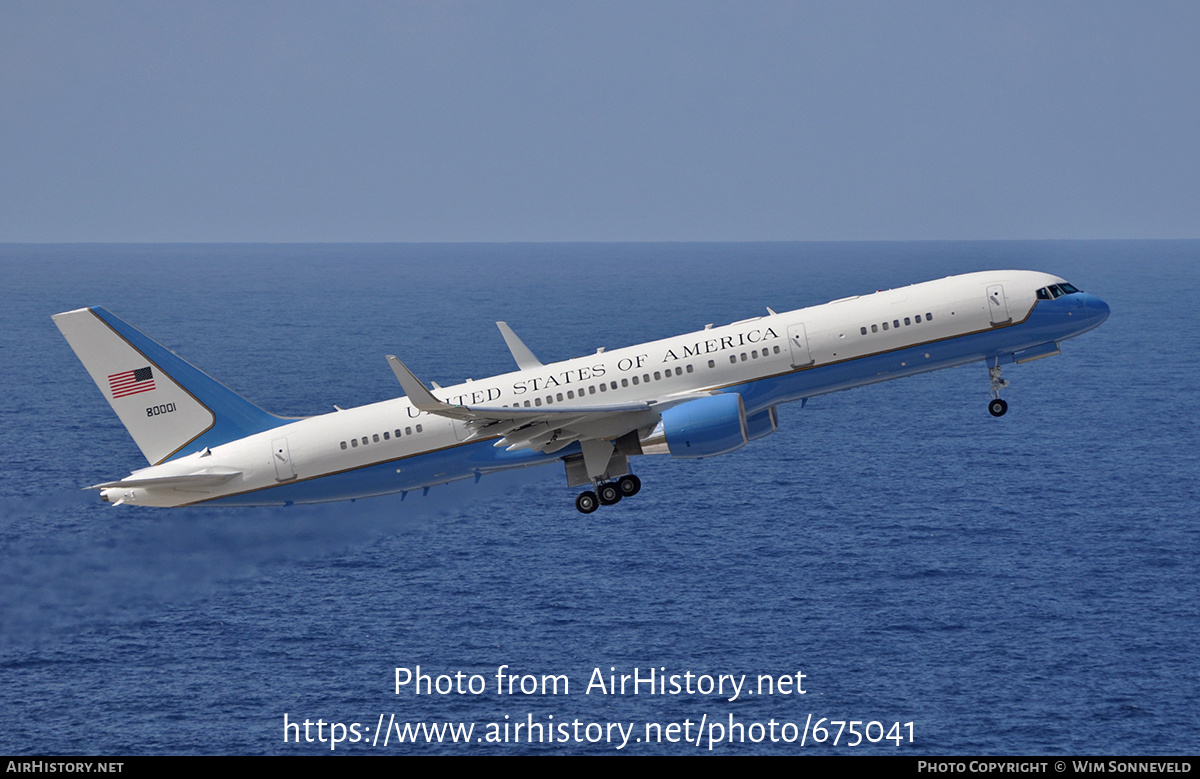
(187,480)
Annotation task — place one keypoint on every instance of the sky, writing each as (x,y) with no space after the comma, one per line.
(598,121)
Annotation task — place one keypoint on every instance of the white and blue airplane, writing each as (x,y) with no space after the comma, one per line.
(696,395)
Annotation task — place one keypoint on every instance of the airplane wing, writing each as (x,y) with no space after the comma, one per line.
(543,428)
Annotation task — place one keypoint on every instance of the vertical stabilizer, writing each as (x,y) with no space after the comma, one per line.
(170,407)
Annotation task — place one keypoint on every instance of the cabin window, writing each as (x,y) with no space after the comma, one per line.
(592,390)
(408,431)
(754,355)
(558,397)
(343,444)
(366,441)
(387,436)
(624,382)
(733,359)
(549,399)
(712,364)
(907,321)
(397,432)
(917,319)
(613,384)
(375,437)
(776,350)
(354,442)
(928,317)
(645,378)
(570,394)
(689,368)
(657,375)
(885,325)
(635,379)
(420,429)
(874,329)
(604,388)
(537,401)
(744,358)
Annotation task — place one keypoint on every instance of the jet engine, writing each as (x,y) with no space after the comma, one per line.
(707,427)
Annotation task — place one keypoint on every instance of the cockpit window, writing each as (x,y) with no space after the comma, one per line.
(1056,291)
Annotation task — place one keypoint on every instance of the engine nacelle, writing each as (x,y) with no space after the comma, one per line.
(762,424)
(700,428)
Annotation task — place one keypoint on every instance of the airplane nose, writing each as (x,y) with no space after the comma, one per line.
(1098,307)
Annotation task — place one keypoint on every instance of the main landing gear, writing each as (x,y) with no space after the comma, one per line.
(607,493)
(996,406)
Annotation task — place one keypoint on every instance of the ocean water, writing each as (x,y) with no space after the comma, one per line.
(1021,585)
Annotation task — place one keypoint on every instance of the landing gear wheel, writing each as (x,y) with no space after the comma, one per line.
(587,502)
(629,485)
(609,493)
(997,407)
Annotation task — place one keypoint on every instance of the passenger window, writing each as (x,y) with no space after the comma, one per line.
(537,401)
(733,359)
(343,444)
(679,371)
(712,364)
(592,390)
(885,325)
(928,317)
(896,323)
(625,382)
(365,441)
(907,321)
(397,432)
(549,399)
(387,436)
(419,428)
(558,397)
(917,318)
(754,355)
(375,437)
(408,431)
(604,388)
(776,350)
(570,394)
(874,328)
(635,379)
(354,442)
(614,384)
(862,330)
(743,356)
(645,378)
(689,368)
(657,375)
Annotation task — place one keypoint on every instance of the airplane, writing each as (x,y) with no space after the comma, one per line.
(697,395)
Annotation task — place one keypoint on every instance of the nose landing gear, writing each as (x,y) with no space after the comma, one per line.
(996,406)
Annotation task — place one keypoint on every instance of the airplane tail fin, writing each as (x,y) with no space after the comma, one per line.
(170,407)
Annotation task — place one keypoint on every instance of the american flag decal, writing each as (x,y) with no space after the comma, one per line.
(131,382)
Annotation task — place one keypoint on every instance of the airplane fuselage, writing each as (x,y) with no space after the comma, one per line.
(394,446)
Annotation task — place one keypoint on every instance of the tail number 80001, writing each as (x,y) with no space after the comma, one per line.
(165,408)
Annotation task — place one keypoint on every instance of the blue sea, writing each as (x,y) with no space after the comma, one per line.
(1018,585)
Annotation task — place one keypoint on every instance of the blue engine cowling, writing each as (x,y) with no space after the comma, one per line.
(701,428)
